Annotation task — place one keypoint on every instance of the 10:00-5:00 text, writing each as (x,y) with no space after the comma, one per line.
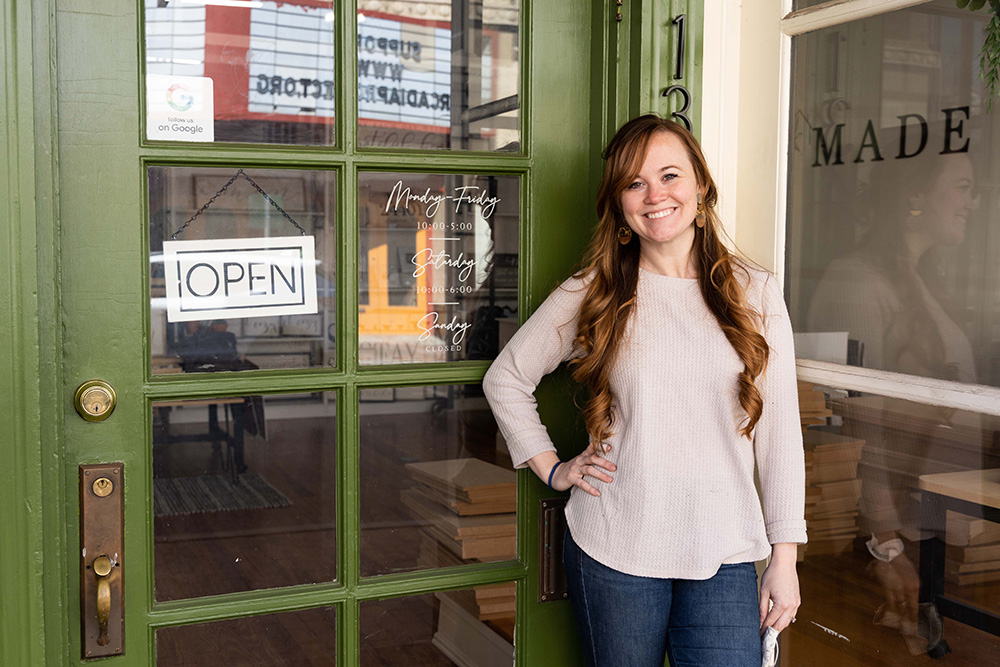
(450,226)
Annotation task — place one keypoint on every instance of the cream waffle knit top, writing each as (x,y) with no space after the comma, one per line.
(683,500)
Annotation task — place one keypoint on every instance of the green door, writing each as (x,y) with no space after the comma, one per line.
(296,481)
(308,470)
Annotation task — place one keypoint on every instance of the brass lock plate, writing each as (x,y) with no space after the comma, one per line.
(95,400)
(102,595)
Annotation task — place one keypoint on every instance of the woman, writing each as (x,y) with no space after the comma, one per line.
(672,336)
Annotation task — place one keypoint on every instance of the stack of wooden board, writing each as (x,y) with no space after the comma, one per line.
(471,538)
(812,406)
(832,491)
(467,513)
(466,510)
(973,552)
(488,603)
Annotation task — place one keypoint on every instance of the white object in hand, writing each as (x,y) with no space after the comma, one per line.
(769,648)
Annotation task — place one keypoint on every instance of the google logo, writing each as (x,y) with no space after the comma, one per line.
(179,98)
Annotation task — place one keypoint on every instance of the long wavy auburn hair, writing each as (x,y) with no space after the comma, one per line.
(610,298)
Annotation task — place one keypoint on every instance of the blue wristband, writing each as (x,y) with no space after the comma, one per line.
(552,472)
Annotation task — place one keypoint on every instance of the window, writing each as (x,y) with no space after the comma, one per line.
(889,224)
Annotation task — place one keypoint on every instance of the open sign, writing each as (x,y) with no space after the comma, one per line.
(235,278)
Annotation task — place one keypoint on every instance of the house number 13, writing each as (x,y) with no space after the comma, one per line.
(681,114)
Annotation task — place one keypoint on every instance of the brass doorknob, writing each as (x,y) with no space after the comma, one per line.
(102,568)
(95,400)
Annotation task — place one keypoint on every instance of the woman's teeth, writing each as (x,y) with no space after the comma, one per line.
(661,214)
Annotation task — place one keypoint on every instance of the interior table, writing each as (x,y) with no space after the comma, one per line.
(975,493)
(231,435)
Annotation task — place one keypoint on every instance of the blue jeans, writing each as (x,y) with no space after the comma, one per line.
(629,621)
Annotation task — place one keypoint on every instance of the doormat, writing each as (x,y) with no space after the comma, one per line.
(214,493)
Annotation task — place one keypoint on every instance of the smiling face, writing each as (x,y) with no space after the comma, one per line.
(949,201)
(661,202)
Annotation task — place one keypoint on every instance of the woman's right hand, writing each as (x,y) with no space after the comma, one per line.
(575,471)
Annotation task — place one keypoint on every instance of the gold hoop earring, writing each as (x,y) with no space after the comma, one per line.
(699,217)
(624,234)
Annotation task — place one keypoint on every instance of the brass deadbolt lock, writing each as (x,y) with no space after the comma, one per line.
(102,488)
(95,400)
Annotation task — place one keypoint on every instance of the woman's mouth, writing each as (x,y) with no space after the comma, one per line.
(661,213)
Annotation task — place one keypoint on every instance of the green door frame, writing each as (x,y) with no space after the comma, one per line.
(38,477)
(31,534)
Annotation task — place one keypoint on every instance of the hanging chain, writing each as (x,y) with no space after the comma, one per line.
(272,202)
(225,187)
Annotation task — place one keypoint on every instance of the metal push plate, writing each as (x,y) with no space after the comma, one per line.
(551,531)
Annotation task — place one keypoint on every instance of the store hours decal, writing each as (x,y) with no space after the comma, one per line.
(444,327)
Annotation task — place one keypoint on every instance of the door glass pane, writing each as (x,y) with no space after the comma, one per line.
(437,485)
(252,71)
(438,266)
(439,75)
(894,196)
(468,627)
(217,294)
(292,639)
(244,493)
(925,476)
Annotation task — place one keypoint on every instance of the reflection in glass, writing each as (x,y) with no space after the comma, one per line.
(803,4)
(439,75)
(244,493)
(233,343)
(892,200)
(467,627)
(270,65)
(438,266)
(437,484)
(291,639)
(868,474)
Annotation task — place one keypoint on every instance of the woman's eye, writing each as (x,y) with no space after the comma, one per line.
(635,186)
(669,177)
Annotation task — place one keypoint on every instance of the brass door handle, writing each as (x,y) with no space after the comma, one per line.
(102,568)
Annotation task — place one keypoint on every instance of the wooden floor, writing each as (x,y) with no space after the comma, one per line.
(839,597)
(398,632)
(224,552)
(292,639)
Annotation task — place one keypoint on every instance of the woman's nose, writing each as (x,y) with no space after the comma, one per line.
(656,193)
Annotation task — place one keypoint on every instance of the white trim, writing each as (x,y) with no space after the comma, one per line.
(762,111)
(784,123)
(720,94)
(972,397)
(838,12)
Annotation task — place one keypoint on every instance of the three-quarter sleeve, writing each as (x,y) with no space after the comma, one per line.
(778,434)
(538,347)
